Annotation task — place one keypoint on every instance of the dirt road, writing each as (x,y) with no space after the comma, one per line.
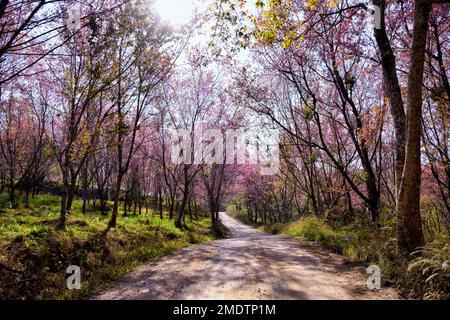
(248,265)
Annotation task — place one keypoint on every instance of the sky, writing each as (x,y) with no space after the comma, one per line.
(179,12)
(175,12)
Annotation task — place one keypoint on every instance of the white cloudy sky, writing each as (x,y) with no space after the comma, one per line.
(179,12)
(176,12)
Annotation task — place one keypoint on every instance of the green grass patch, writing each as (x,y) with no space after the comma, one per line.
(34,256)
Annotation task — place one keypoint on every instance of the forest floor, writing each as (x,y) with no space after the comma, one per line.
(34,256)
(249,264)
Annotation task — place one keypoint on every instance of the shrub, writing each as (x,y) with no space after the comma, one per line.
(315,229)
(432,270)
(275,228)
(46,201)
(5,202)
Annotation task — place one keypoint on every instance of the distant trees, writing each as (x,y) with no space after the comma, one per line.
(192,98)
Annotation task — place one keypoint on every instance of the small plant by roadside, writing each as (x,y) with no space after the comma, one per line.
(432,270)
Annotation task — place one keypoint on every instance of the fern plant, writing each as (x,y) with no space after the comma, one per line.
(432,268)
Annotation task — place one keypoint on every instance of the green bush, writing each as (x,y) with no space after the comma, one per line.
(432,270)
(46,201)
(275,228)
(315,229)
(5,201)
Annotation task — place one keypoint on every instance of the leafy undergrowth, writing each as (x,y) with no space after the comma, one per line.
(34,257)
(432,270)
(424,276)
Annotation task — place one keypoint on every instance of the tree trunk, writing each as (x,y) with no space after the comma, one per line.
(171,208)
(409,224)
(160,204)
(62,216)
(394,94)
(12,192)
(27,196)
(66,202)
(180,211)
(125,202)
(113,220)
(70,196)
(190,210)
(84,188)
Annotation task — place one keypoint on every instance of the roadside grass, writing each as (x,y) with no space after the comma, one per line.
(421,276)
(34,256)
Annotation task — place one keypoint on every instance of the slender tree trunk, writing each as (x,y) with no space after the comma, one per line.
(125,203)
(62,216)
(409,224)
(70,196)
(113,221)
(171,207)
(84,188)
(195,208)
(180,211)
(190,210)
(12,191)
(146,204)
(66,204)
(350,210)
(140,205)
(374,201)
(64,196)
(392,87)
(103,206)
(160,204)
(27,196)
